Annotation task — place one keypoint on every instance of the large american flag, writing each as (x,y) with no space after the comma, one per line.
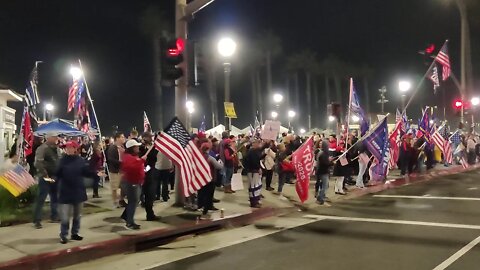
(74,94)
(175,143)
(444,145)
(444,59)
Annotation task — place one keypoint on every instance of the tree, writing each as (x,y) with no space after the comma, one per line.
(270,45)
(155,27)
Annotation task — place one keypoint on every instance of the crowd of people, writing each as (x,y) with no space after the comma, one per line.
(138,173)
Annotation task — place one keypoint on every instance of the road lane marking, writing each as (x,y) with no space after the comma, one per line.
(394,221)
(428,197)
(458,254)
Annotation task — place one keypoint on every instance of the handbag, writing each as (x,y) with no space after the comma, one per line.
(237,182)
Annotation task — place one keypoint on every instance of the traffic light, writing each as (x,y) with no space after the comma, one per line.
(173,70)
(428,54)
(458,104)
(334,109)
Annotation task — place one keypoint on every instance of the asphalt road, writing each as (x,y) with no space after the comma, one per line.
(439,229)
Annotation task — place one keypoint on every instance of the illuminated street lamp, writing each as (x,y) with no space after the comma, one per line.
(277,98)
(331,118)
(355,119)
(404,87)
(291,114)
(76,73)
(226,48)
(302,131)
(48,108)
(274,115)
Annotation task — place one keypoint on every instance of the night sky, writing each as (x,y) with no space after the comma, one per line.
(118,59)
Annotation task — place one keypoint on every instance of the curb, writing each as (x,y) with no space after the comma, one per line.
(127,244)
(398,182)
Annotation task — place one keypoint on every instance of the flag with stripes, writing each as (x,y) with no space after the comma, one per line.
(258,128)
(146,123)
(74,94)
(25,138)
(31,93)
(16,180)
(433,76)
(443,145)
(464,162)
(444,60)
(175,143)
(395,141)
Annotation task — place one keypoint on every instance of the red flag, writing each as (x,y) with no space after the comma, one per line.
(27,135)
(395,140)
(303,161)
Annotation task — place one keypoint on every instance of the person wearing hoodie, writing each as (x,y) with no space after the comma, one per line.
(324,161)
(72,192)
(229,154)
(133,172)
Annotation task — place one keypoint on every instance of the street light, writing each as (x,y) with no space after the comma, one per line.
(274,115)
(302,131)
(331,118)
(277,98)
(226,48)
(404,87)
(190,109)
(48,108)
(474,101)
(355,119)
(76,73)
(291,114)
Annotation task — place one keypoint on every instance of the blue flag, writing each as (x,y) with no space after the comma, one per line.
(377,143)
(356,110)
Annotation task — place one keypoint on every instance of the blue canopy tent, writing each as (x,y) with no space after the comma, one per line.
(59,127)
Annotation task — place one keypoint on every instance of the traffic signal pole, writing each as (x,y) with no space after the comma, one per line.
(183,14)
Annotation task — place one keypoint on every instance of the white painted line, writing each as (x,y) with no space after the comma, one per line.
(393,221)
(428,197)
(458,254)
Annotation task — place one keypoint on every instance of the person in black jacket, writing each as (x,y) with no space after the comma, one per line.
(114,159)
(324,161)
(252,165)
(72,192)
(149,185)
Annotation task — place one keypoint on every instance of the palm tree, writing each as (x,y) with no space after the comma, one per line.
(270,44)
(366,73)
(155,27)
(336,69)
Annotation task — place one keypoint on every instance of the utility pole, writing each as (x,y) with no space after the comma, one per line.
(383,98)
(183,14)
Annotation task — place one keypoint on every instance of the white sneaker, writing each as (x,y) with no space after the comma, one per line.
(283,198)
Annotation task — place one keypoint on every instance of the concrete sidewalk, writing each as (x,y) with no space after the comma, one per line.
(23,247)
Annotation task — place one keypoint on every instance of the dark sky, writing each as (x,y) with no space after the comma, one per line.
(117,57)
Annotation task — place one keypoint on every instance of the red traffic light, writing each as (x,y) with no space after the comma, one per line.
(177,49)
(430,49)
(458,104)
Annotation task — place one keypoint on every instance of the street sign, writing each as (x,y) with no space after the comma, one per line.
(230,110)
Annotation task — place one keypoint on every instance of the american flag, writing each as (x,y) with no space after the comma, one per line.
(258,128)
(433,76)
(31,93)
(175,143)
(464,162)
(444,60)
(146,124)
(443,145)
(74,94)
(17,180)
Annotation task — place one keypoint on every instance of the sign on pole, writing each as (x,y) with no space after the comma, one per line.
(270,130)
(230,110)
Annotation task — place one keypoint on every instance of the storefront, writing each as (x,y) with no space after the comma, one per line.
(7,121)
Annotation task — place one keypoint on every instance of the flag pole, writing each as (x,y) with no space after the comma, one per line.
(94,114)
(349,108)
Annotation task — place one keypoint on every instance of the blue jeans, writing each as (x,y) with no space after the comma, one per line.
(133,195)
(283,177)
(67,210)
(46,188)
(362,168)
(228,176)
(322,182)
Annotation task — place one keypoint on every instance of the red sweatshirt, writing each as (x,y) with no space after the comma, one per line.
(133,169)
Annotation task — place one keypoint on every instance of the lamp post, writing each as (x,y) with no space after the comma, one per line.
(383,99)
(291,115)
(475,101)
(404,87)
(274,115)
(48,108)
(226,48)
(190,109)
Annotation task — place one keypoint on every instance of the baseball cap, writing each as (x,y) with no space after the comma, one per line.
(73,144)
(132,143)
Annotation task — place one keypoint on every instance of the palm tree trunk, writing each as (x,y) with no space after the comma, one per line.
(254,92)
(259,96)
(157,52)
(309,99)
(316,102)
(327,90)
(287,90)
(297,91)
(338,89)
(212,91)
(269,74)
